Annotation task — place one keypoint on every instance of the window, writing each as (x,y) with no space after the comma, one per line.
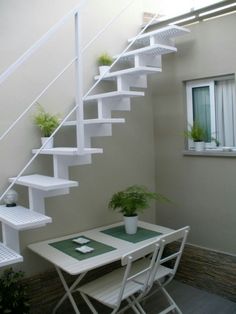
(211,103)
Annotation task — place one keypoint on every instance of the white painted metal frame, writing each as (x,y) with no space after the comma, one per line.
(162,275)
(122,284)
(42,41)
(64,262)
(189,94)
(72,111)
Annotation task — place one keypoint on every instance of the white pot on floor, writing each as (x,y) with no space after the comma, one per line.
(131,224)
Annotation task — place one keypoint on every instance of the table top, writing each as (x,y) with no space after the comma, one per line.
(74,266)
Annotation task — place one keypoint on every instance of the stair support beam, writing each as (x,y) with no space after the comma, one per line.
(61,164)
(124,82)
(157,39)
(36,200)
(10,237)
(79,85)
(147,60)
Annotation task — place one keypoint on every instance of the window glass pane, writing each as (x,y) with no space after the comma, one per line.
(201,109)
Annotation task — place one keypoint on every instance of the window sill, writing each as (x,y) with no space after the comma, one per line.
(210,152)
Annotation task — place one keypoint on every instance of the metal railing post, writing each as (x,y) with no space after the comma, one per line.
(79,85)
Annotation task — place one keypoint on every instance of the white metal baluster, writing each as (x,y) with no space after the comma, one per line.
(79,85)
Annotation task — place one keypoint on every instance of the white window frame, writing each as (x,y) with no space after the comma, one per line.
(189,87)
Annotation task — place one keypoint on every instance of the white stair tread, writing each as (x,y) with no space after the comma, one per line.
(44,183)
(169,31)
(8,256)
(115,94)
(141,70)
(97,121)
(70,151)
(156,49)
(20,217)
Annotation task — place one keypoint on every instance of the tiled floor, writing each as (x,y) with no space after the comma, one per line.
(189,299)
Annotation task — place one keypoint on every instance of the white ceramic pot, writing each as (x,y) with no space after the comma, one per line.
(49,144)
(199,146)
(103,69)
(131,224)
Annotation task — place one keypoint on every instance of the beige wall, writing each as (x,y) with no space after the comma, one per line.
(202,188)
(128,155)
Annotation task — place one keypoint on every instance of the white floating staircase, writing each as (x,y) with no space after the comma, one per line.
(145,59)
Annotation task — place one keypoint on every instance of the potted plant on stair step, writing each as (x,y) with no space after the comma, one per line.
(130,202)
(104,63)
(47,123)
(197,134)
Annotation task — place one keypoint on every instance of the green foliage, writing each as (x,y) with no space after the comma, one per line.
(46,122)
(13,295)
(196,132)
(134,199)
(105,59)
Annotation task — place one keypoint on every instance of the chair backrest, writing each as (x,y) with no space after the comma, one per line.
(164,256)
(132,273)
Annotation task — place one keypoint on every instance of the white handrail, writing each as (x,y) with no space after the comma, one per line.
(73,110)
(36,99)
(37,45)
(8,130)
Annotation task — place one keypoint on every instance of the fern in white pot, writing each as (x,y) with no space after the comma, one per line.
(130,202)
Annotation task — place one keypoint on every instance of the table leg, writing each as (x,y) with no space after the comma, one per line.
(68,290)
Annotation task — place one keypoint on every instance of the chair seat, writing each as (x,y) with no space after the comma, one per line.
(107,288)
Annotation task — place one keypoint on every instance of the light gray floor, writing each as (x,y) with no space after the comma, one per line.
(189,299)
(193,301)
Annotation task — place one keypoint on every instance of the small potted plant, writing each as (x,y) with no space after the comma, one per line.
(130,202)
(104,63)
(47,124)
(197,134)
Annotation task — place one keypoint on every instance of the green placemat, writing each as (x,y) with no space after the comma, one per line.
(141,234)
(68,247)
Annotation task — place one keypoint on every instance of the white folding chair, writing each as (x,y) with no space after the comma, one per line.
(163,274)
(122,284)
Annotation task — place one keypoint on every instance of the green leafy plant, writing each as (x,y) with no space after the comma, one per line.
(46,121)
(196,132)
(13,293)
(134,199)
(105,59)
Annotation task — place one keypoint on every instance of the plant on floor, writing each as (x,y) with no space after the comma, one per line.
(46,121)
(105,59)
(13,293)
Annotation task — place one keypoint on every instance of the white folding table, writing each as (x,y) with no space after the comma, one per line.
(64,262)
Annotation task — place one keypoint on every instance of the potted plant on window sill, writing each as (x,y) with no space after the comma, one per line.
(130,202)
(47,123)
(198,135)
(104,63)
